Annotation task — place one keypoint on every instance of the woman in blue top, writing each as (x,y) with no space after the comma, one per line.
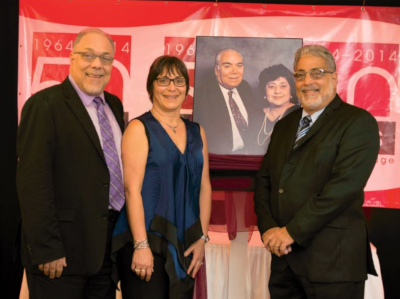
(161,233)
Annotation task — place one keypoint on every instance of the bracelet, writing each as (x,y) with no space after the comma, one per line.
(141,244)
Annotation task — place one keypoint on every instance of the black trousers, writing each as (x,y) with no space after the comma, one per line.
(98,286)
(287,285)
(132,287)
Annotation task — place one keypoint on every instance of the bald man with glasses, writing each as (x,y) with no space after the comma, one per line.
(69,177)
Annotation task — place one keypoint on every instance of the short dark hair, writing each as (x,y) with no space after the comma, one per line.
(271,74)
(172,65)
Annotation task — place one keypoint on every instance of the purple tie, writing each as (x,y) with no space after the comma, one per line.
(117,198)
(237,116)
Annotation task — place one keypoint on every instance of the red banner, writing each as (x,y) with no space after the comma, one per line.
(362,39)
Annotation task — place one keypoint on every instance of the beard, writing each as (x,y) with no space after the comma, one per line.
(313,103)
(94,89)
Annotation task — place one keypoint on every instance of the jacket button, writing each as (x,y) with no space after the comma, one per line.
(281,190)
(105,217)
(105,184)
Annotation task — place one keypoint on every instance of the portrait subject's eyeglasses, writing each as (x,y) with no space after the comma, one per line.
(179,82)
(315,74)
(89,57)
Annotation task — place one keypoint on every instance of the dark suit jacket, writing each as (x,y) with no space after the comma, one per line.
(316,191)
(211,112)
(62,181)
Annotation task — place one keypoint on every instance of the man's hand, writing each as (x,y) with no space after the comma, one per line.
(268,235)
(277,240)
(54,268)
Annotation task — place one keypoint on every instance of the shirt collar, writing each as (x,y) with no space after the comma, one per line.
(314,116)
(225,90)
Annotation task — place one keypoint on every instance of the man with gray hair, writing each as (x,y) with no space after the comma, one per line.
(224,106)
(309,190)
(69,177)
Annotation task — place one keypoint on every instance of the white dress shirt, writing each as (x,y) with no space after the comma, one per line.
(237,139)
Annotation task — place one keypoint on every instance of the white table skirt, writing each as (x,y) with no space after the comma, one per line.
(257,271)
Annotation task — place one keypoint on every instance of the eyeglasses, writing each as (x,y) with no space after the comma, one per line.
(89,57)
(179,82)
(315,74)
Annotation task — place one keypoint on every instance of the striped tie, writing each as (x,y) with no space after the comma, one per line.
(305,126)
(116,193)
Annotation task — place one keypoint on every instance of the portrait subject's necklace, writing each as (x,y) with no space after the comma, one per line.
(264,129)
(173,127)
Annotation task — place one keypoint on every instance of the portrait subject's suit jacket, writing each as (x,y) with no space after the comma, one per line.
(63,181)
(316,191)
(211,111)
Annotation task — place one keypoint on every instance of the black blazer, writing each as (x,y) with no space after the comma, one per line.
(63,181)
(316,191)
(211,112)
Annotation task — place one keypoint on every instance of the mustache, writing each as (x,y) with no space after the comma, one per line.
(309,88)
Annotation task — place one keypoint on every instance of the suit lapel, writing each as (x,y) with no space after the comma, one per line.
(322,119)
(77,107)
(220,112)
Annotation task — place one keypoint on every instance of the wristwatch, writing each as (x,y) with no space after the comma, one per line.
(205,238)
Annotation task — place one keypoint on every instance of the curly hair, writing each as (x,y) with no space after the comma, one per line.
(272,73)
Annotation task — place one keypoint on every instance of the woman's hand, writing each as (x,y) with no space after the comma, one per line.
(197,249)
(142,263)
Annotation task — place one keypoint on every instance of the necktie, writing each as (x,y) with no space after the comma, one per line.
(237,116)
(116,195)
(305,126)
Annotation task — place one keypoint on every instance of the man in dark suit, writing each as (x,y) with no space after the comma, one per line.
(69,199)
(309,190)
(224,106)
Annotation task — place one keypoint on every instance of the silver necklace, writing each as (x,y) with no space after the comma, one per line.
(172,127)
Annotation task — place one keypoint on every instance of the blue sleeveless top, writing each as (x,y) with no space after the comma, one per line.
(170,192)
